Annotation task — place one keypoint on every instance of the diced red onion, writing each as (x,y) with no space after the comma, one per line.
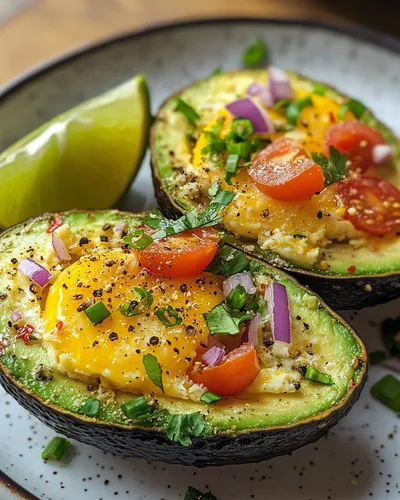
(247,108)
(120,227)
(392,364)
(245,279)
(266,97)
(254,89)
(381,153)
(213,340)
(278,305)
(280,84)
(35,271)
(59,247)
(251,332)
(213,356)
(16,316)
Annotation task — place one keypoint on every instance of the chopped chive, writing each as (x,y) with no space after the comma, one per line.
(135,307)
(172,313)
(315,375)
(210,398)
(91,408)
(231,167)
(138,240)
(387,391)
(56,449)
(97,312)
(187,110)
(295,108)
(243,149)
(242,128)
(377,357)
(153,370)
(255,53)
(136,409)
(356,107)
(217,71)
(319,89)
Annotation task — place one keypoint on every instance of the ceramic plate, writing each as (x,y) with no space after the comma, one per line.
(359,458)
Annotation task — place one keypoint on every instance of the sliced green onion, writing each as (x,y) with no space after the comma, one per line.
(242,128)
(377,357)
(255,53)
(213,189)
(387,391)
(237,297)
(210,398)
(217,71)
(317,376)
(153,370)
(172,313)
(97,312)
(356,107)
(295,108)
(243,149)
(138,240)
(231,167)
(136,409)
(319,89)
(187,110)
(91,408)
(281,105)
(135,307)
(56,449)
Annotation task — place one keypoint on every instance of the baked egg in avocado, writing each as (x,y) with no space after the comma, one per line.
(315,173)
(151,338)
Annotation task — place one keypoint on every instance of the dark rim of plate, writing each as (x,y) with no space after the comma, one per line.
(357,32)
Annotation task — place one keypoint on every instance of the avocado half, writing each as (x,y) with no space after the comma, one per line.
(248,428)
(376,279)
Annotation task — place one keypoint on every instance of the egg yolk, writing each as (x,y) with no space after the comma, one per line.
(112,351)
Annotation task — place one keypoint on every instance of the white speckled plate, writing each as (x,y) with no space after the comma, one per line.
(360,457)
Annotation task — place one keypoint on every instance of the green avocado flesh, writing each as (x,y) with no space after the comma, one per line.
(340,352)
(173,157)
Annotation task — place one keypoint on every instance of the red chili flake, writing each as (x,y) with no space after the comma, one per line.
(1,347)
(59,324)
(351,269)
(332,117)
(55,223)
(352,383)
(25,333)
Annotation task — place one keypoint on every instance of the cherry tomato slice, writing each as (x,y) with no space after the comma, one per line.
(356,140)
(181,255)
(236,372)
(373,205)
(284,172)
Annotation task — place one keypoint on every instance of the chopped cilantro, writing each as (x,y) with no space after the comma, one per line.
(335,168)
(179,428)
(187,110)
(281,105)
(153,370)
(356,107)
(237,297)
(221,322)
(229,261)
(193,494)
(294,109)
(140,410)
(91,408)
(231,167)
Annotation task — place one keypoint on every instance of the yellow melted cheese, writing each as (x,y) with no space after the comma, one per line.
(86,351)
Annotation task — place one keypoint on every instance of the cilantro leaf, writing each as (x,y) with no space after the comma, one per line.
(179,428)
(153,370)
(187,111)
(221,322)
(335,168)
(193,494)
(237,297)
(229,261)
(356,107)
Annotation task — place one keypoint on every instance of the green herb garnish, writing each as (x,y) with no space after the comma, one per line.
(356,107)
(141,410)
(153,370)
(229,261)
(255,53)
(162,313)
(217,71)
(221,322)
(210,398)
(179,428)
(377,357)
(138,240)
(237,298)
(56,449)
(231,167)
(242,129)
(281,105)
(294,109)
(139,305)
(315,375)
(319,89)
(335,169)
(91,408)
(242,149)
(387,391)
(187,111)
(97,312)
(193,494)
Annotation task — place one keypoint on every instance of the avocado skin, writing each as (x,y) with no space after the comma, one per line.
(246,447)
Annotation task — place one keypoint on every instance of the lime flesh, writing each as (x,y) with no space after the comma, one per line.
(83,158)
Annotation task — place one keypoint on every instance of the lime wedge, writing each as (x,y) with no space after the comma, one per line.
(83,158)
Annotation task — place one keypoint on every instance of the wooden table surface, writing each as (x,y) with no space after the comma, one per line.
(47,28)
